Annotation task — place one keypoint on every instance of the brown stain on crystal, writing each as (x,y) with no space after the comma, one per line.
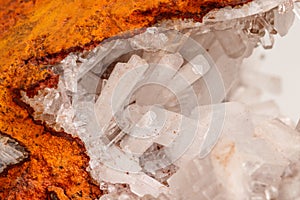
(226,152)
(36,33)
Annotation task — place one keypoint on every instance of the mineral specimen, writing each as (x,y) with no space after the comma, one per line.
(167,112)
(150,110)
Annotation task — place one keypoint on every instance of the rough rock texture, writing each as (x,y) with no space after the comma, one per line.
(36,33)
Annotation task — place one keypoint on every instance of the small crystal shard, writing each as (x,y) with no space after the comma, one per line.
(290,186)
(298,126)
(231,42)
(11,152)
(283,21)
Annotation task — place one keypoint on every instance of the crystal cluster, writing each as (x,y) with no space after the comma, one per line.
(170,114)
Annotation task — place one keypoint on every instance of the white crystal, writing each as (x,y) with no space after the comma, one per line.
(290,186)
(70,72)
(252,8)
(130,73)
(231,42)
(286,140)
(283,21)
(11,152)
(160,74)
(151,40)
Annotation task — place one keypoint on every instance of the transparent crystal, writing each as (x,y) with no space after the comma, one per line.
(290,186)
(11,152)
(298,126)
(283,21)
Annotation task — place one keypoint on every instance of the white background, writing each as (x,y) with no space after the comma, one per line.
(284,61)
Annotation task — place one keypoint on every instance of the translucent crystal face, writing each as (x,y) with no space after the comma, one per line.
(297,8)
(159,112)
(11,152)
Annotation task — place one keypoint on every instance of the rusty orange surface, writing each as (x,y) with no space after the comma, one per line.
(35,33)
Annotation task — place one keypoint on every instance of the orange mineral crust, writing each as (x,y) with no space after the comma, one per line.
(36,33)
